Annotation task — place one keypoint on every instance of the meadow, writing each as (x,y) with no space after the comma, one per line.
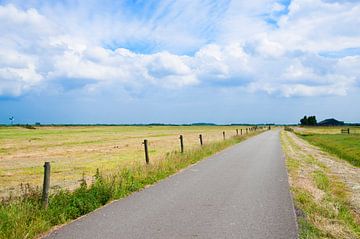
(326,129)
(330,139)
(77,152)
(122,172)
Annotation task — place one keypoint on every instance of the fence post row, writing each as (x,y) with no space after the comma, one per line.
(181,144)
(46,182)
(46,185)
(146,151)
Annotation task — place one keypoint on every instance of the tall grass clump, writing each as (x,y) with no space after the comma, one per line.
(23,217)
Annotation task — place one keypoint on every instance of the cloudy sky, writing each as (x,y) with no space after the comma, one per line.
(142,61)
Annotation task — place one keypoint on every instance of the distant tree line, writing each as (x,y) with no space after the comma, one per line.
(311,120)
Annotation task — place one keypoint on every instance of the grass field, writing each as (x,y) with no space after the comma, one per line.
(75,152)
(345,146)
(326,130)
(24,217)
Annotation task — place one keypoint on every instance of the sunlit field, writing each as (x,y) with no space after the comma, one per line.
(76,152)
(331,139)
(327,129)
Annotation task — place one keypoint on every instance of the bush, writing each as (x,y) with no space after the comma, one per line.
(289,129)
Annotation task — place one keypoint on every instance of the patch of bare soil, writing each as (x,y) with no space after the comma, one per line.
(349,174)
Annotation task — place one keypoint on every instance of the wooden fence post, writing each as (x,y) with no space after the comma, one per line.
(246,130)
(240,131)
(181,144)
(224,135)
(201,140)
(348,130)
(146,151)
(46,185)
(237,132)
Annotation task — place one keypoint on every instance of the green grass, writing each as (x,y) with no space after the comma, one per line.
(326,213)
(333,207)
(24,218)
(344,146)
(306,203)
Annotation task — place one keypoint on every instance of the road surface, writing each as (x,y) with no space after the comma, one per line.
(241,192)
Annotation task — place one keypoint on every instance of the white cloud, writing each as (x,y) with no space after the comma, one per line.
(37,49)
(319,26)
(276,7)
(170,70)
(14,81)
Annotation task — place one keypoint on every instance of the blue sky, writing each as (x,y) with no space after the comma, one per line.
(183,61)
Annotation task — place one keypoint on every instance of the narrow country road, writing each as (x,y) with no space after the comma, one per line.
(241,192)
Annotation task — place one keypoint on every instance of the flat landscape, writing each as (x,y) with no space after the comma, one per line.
(241,185)
(75,152)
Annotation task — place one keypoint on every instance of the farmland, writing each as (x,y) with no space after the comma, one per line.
(326,130)
(345,146)
(76,152)
(117,153)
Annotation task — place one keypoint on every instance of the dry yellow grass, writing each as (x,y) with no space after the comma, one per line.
(326,130)
(77,151)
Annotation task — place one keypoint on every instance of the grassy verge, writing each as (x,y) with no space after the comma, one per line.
(321,199)
(344,146)
(24,217)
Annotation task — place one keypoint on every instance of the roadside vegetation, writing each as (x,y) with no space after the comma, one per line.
(23,217)
(323,199)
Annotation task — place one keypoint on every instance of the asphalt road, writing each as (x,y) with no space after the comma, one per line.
(241,192)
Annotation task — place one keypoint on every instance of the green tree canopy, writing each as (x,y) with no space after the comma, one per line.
(311,120)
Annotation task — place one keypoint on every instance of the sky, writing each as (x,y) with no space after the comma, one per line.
(179,61)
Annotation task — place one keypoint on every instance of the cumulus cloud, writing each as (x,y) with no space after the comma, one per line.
(236,47)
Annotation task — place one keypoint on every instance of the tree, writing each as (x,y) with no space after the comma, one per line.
(304,121)
(311,120)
